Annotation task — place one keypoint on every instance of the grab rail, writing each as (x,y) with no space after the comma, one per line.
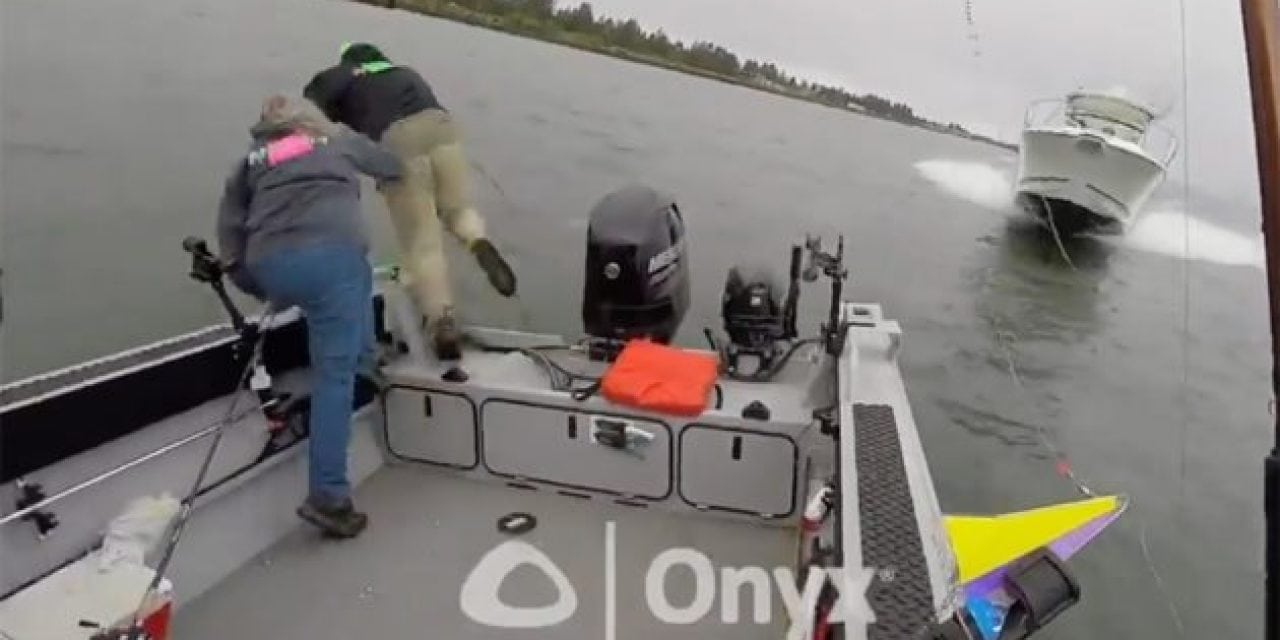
(1163,147)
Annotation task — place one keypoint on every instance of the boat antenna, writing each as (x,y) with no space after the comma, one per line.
(1261,20)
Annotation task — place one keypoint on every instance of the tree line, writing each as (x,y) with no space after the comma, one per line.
(536,16)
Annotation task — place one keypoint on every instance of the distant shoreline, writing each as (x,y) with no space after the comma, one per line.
(520,18)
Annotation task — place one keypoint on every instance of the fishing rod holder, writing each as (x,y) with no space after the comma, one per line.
(207,268)
(832,266)
(30,495)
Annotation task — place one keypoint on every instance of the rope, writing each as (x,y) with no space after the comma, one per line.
(1062,463)
(1184,424)
(1053,228)
(1160,584)
(1186,263)
(769,374)
(1065,469)
(479,168)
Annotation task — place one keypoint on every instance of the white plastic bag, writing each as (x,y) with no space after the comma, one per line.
(133,533)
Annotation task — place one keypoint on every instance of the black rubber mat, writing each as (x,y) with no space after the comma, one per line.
(900,594)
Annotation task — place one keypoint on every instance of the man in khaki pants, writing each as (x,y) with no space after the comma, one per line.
(394,105)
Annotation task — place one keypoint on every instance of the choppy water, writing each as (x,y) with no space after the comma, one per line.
(119,119)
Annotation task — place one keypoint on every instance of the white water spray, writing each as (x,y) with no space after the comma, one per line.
(977,182)
(1160,232)
(1166,233)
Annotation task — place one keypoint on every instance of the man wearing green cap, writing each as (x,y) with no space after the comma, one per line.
(394,105)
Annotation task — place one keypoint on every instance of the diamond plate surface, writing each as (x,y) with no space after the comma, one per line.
(900,594)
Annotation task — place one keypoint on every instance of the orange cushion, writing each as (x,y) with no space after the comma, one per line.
(660,378)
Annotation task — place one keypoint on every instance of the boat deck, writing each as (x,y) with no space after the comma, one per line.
(428,530)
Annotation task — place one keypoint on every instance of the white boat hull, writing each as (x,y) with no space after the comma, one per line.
(1080,180)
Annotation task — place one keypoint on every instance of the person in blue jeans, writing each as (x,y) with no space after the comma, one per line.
(290,231)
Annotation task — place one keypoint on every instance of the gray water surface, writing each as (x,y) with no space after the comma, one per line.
(121,118)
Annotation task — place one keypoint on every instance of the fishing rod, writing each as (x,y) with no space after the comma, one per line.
(1261,20)
(205,267)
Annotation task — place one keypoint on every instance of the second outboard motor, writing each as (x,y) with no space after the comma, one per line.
(752,309)
(756,317)
(637,273)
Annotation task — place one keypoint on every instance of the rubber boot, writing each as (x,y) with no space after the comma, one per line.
(495,266)
(334,519)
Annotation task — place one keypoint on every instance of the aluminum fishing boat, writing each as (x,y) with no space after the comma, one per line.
(506,497)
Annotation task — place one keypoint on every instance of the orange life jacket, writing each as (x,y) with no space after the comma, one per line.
(652,376)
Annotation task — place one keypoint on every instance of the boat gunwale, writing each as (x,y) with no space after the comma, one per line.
(128,361)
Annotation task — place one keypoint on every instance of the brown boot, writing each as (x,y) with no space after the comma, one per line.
(446,337)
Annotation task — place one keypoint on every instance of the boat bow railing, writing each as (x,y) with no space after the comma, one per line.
(1156,141)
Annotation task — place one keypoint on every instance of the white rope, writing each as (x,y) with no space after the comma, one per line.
(1160,584)
(1186,264)
(1053,228)
(1066,469)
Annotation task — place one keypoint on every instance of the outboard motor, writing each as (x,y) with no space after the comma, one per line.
(756,317)
(637,274)
(752,309)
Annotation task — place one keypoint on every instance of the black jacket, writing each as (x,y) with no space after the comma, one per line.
(370,101)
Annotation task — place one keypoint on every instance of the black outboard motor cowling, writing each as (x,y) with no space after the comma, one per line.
(637,272)
(752,309)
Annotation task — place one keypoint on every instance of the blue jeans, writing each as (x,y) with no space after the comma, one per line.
(333,285)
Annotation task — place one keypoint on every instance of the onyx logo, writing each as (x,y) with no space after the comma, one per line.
(481,602)
(479,597)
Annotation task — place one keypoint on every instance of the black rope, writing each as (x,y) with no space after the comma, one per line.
(765,375)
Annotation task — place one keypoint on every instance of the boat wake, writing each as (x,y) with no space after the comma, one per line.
(980,183)
(1162,232)
(1167,233)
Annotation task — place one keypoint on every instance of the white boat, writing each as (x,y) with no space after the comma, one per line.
(806,463)
(1091,162)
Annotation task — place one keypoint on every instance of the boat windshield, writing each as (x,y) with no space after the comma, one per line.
(1113,117)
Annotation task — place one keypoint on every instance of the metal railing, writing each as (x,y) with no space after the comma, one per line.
(1156,140)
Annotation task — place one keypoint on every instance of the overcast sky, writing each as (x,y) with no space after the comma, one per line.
(983,73)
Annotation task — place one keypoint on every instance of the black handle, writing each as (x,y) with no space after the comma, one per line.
(206,268)
(611,433)
(196,246)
